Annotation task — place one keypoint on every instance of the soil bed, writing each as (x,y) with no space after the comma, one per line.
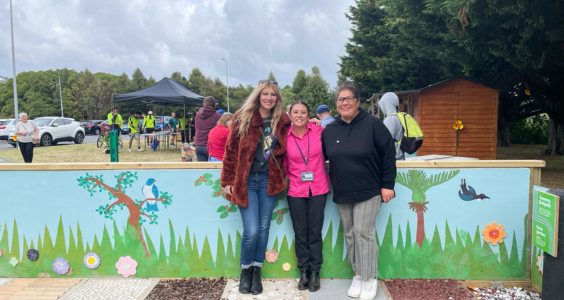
(189,289)
(427,289)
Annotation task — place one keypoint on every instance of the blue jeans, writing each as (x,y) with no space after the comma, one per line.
(256,221)
(213,159)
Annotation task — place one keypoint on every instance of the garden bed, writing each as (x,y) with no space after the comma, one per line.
(188,289)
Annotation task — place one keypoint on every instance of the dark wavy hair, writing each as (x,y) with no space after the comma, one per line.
(348,85)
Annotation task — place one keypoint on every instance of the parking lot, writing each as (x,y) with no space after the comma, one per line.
(89,138)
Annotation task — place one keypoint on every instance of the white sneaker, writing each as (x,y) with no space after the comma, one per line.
(140,150)
(356,287)
(129,149)
(369,289)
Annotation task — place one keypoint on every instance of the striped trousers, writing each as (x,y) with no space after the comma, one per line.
(359,225)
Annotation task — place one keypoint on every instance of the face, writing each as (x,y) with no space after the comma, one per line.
(268,98)
(115,111)
(299,115)
(229,123)
(173,114)
(23,118)
(347,110)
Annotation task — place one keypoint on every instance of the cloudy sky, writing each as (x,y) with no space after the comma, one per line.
(160,37)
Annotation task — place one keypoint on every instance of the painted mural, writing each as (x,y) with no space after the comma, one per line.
(177,223)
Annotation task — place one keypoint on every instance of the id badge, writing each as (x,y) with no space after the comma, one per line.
(307,176)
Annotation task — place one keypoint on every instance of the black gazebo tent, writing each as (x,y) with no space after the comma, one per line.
(165,92)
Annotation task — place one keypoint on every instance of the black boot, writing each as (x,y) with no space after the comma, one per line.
(256,282)
(314,282)
(245,281)
(304,280)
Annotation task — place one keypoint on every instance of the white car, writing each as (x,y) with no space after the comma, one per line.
(6,125)
(55,129)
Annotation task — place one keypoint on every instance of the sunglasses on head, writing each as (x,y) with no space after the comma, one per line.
(265,81)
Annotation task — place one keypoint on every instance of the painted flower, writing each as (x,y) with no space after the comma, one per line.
(91,260)
(540,263)
(458,125)
(286,267)
(1,253)
(126,266)
(271,256)
(60,266)
(14,261)
(494,233)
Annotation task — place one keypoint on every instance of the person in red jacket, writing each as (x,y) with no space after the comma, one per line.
(217,138)
(253,174)
(205,120)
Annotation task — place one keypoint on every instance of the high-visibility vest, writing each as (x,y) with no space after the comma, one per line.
(149,122)
(181,122)
(119,121)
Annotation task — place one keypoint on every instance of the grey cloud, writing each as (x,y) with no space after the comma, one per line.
(161,37)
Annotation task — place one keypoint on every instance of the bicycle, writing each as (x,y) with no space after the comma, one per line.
(103,137)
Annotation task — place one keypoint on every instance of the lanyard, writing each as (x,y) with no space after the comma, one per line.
(306,160)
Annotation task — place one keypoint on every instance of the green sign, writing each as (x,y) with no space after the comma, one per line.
(545,221)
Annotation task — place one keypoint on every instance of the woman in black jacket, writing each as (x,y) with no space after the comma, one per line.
(362,169)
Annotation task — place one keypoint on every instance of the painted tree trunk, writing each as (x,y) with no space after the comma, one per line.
(420,227)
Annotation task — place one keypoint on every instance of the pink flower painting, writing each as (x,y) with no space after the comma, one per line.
(126,266)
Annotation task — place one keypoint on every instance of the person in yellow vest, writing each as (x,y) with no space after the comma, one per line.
(184,130)
(115,121)
(133,124)
(149,125)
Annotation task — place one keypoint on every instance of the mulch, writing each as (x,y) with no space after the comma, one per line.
(427,289)
(189,289)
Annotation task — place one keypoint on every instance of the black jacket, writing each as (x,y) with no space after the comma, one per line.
(362,157)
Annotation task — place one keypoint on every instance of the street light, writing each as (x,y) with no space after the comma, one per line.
(60,94)
(227,80)
(16,112)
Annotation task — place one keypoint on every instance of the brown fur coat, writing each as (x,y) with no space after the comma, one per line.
(239,155)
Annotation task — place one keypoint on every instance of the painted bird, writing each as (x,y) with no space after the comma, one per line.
(150,190)
(469,194)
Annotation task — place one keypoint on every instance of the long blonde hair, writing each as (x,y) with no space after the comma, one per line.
(252,103)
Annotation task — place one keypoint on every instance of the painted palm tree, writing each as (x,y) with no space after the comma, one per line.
(418,182)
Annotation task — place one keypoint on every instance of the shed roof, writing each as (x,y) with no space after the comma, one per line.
(408,92)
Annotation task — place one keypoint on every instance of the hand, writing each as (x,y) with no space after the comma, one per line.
(387,195)
(229,190)
(316,121)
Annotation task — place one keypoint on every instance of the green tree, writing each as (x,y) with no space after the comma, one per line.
(299,84)
(271,76)
(317,90)
(418,182)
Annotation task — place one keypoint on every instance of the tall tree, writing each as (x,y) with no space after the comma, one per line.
(317,90)
(271,76)
(299,84)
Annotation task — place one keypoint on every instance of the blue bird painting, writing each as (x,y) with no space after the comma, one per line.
(150,190)
(469,194)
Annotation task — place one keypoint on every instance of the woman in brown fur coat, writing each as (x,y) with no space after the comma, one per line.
(253,174)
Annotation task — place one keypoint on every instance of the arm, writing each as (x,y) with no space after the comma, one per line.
(386,151)
(230,157)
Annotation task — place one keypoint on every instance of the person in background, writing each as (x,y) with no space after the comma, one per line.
(253,174)
(183,120)
(217,138)
(26,131)
(115,121)
(389,104)
(324,114)
(192,126)
(143,116)
(205,120)
(149,126)
(220,111)
(362,169)
(309,185)
(133,123)
(173,126)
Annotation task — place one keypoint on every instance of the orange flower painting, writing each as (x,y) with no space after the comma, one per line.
(494,233)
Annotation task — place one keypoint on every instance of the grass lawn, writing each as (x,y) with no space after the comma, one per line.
(552,174)
(90,153)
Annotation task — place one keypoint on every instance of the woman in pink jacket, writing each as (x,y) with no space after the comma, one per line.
(309,185)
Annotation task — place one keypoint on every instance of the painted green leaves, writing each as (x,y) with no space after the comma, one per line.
(205,179)
(278,214)
(224,210)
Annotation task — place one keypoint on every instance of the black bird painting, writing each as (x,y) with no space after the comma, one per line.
(469,194)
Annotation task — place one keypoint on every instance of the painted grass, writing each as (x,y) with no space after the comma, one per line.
(90,153)
(461,258)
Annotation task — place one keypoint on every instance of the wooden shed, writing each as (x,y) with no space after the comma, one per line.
(438,106)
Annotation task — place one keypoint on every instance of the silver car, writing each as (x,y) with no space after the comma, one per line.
(6,125)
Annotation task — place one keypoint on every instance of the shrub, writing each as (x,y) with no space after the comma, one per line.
(530,131)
